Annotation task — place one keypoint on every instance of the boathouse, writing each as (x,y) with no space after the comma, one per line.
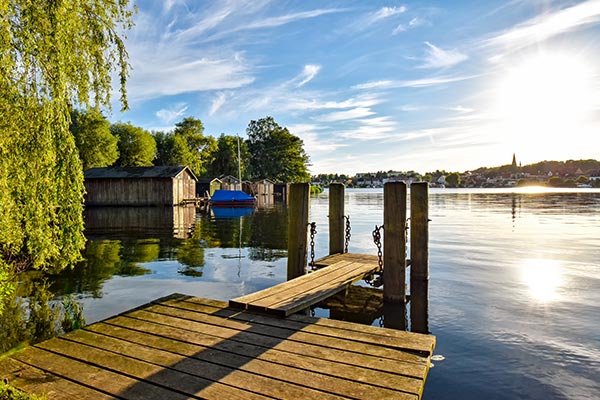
(229,182)
(263,188)
(139,186)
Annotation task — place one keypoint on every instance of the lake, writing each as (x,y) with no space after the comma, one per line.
(514,296)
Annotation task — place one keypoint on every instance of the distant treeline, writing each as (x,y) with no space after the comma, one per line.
(562,168)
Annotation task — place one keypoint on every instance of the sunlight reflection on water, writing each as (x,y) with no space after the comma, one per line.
(543,277)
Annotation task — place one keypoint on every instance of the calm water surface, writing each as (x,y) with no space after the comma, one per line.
(514,292)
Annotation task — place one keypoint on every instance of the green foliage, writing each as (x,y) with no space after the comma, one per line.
(225,158)
(72,314)
(556,181)
(37,318)
(186,145)
(453,179)
(52,54)
(201,148)
(582,179)
(136,145)
(316,189)
(275,153)
(8,392)
(97,147)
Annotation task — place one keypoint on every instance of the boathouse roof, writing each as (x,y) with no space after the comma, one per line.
(136,172)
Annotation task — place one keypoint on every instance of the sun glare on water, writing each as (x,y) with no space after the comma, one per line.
(544,98)
(543,278)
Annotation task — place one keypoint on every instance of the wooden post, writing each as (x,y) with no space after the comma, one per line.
(394,242)
(419,256)
(336,218)
(297,229)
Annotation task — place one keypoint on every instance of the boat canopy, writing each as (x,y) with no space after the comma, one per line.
(230,196)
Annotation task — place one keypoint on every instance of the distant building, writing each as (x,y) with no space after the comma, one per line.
(139,186)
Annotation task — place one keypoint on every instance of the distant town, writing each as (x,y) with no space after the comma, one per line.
(570,173)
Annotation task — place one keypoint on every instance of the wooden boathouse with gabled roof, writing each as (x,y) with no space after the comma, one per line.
(139,186)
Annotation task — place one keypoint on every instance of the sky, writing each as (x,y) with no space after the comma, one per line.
(377,85)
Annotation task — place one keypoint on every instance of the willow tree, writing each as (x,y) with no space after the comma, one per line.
(54,54)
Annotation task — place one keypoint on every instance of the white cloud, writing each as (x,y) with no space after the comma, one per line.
(309,72)
(415,83)
(289,18)
(413,23)
(170,72)
(355,113)
(460,109)
(217,103)
(376,128)
(169,115)
(439,58)
(385,12)
(548,25)
(315,142)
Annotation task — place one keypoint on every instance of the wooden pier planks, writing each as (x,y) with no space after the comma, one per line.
(184,347)
(302,292)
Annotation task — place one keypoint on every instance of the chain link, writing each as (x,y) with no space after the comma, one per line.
(348,235)
(377,240)
(313,232)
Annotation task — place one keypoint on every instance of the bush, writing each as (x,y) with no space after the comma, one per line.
(8,392)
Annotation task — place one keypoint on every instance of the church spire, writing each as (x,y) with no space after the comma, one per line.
(514,161)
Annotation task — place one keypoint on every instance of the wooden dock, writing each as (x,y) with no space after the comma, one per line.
(182,347)
(336,273)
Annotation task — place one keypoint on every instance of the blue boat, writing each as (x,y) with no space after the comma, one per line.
(231,212)
(231,198)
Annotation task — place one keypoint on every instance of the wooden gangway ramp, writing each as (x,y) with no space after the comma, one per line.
(336,273)
(183,347)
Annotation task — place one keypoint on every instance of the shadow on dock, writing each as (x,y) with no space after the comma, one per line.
(180,346)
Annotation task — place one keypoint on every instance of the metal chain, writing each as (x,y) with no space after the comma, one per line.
(377,240)
(313,232)
(348,235)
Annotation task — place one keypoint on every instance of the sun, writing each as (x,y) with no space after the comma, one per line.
(544,98)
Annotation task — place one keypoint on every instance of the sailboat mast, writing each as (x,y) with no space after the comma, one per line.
(239,163)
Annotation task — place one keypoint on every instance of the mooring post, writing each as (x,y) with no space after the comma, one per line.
(419,256)
(297,229)
(336,218)
(394,242)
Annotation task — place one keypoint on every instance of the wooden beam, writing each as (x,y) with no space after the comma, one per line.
(394,242)
(336,218)
(297,228)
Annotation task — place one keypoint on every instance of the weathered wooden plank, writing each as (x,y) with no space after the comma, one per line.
(214,337)
(116,384)
(418,343)
(205,364)
(296,297)
(190,385)
(241,302)
(258,375)
(36,381)
(316,294)
(250,331)
(184,345)
(334,258)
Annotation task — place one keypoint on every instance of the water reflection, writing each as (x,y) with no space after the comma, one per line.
(543,278)
(147,221)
